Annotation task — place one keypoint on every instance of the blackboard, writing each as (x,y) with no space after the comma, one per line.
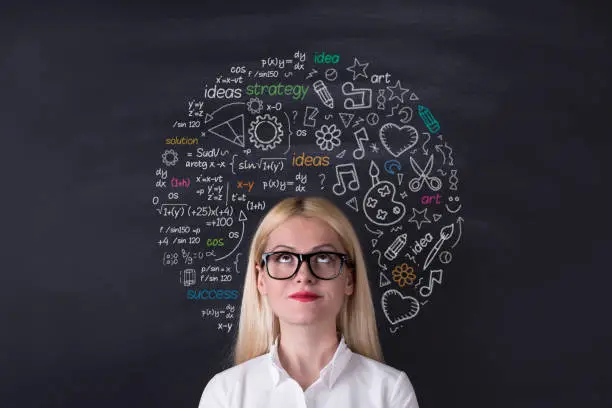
(96,312)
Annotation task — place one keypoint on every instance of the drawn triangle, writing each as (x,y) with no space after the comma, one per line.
(353,203)
(436,217)
(384,281)
(346,118)
(413,97)
(208,118)
(341,154)
(374,241)
(400,177)
(231,130)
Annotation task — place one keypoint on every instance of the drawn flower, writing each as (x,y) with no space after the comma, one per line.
(371,202)
(403,274)
(328,137)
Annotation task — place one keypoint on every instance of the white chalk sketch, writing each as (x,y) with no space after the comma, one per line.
(346,118)
(419,217)
(310,116)
(372,118)
(453,179)
(242,219)
(266,132)
(328,137)
(435,276)
(407,307)
(342,170)
(398,140)
(352,203)
(377,199)
(396,246)
(383,280)
(453,199)
(406,114)
(423,176)
(358,69)
(397,92)
(361,135)
(358,98)
(445,257)
(331,74)
(445,233)
(460,222)
(383,266)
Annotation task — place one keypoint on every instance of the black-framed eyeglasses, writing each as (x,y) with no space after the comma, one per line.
(323,265)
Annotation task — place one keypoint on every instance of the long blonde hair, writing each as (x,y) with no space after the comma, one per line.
(258,326)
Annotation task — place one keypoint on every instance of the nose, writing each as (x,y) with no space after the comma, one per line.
(304,273)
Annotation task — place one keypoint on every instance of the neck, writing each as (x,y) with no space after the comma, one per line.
(304,351)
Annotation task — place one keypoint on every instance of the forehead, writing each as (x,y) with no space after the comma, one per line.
(303,233)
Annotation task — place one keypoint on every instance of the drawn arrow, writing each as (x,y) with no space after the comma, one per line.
(439,150)
(378,232)
(460,222)
(450,154)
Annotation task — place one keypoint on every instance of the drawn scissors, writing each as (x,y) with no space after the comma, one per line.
(415,184)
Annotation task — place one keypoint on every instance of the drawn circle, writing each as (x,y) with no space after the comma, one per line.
(446,257)
(372,118)
(331,74)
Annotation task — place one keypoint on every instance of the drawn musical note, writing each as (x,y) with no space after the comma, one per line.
(362,97)
(435,276)
(362,136)
(340,187)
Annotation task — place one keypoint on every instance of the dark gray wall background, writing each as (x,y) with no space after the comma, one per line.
(86,93)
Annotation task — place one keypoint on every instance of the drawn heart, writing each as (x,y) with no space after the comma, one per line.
(404,302)
(398,140)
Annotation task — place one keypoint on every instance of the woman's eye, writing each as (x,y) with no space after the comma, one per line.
(284,258)
(323,258)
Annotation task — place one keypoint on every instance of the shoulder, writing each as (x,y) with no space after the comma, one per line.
(392,382)
(222,384)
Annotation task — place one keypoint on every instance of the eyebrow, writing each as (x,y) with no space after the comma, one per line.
(322,246)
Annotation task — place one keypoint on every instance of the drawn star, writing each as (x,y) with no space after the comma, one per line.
(422,219)
(374,148)
(397,89)
(362,68)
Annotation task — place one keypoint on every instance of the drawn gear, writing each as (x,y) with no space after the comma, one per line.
(170,157)
(266,143)
(258,106)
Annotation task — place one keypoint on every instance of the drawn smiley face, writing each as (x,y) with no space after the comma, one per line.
(453,199)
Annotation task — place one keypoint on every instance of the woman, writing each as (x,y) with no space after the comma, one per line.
(307,335)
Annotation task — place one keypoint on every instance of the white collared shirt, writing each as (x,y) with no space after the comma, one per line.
(349,380)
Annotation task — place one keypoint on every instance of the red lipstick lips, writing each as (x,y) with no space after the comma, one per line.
(304,296)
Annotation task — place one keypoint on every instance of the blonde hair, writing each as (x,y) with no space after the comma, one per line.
(258,326)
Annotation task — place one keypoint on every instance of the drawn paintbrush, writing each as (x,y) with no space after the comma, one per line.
(445,233)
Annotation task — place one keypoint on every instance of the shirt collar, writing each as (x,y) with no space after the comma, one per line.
(328,374)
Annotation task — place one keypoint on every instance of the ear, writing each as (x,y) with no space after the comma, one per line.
(349,287)
(261,282)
